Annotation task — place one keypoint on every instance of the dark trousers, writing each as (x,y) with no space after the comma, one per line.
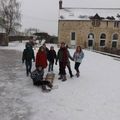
(70,71)
(28,64)
(62,66)
(50,67)
(77,67)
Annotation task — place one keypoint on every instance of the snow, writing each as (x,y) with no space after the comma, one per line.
(94,95)
(85,13)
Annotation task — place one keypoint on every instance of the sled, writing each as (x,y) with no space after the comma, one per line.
(50,77)
(49,90)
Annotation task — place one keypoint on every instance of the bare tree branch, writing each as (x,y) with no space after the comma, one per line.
(10,15)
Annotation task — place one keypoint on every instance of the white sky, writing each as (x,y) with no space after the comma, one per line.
(43,14)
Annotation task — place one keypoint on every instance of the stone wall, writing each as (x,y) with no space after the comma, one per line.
(83,29)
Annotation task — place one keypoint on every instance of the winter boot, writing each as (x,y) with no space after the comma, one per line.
(50,85)
(64,78)
(44,89)
(61,77)
(77,74)
(71,75)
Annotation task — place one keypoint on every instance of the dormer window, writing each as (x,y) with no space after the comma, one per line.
(96,20)
(116,24)
(96,23)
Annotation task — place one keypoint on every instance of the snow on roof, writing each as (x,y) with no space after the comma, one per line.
(86,13)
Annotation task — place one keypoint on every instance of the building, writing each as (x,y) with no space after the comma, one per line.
(3,41)
(95,28)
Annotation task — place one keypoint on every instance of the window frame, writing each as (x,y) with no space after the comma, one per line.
(115,40)
(102,39)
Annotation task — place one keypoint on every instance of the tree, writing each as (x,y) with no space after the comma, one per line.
(53,39)
(31,31)
(10,15)
(42,35)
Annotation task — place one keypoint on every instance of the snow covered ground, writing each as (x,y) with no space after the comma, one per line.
(93,96)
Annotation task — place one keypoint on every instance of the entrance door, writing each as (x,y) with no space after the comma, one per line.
(90,40)
(90,43)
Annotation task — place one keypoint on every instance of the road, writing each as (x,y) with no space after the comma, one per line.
(13,83)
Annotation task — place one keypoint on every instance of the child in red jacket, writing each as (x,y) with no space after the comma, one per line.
(41,58)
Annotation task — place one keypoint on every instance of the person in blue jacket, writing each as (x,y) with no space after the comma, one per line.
(78,56)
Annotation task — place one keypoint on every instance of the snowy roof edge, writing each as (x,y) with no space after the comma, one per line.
(91,8)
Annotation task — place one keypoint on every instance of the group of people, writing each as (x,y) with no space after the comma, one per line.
(44,54)
(63,57)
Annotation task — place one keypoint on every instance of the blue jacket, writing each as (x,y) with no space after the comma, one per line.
(78,56)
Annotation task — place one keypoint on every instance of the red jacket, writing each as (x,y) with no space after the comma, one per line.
(41,59)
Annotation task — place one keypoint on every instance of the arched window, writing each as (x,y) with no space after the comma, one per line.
(114,40)
(91,36)
(102,40)
(90,40)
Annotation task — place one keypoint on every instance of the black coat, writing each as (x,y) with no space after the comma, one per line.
(51,56)
(28,54)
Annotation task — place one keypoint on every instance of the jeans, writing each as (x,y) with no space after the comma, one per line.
(28,64)
(77,67)
(50,68)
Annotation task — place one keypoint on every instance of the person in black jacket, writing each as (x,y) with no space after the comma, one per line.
(68,63)
(51,58)
(62,57)
(28,55)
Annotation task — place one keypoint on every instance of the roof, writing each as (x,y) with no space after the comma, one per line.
(87,13)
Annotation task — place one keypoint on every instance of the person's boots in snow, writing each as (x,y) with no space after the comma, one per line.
(60,78)
(64,78)
(44,89)
(77,74)
(50,85)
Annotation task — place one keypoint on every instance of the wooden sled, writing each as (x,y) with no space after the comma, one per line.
(50,77)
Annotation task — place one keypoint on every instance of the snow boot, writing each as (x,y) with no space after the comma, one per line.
(60,78)
(77,74)
(44,89)
(50,85)
(64,78)
(71,76)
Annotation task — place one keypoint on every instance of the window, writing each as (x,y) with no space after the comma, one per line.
(115,37)
(90,40)
(114,44)
(114,40)
(96,23)
(107,23)
(72,35)
(102,40)
(91,36)
(116,24)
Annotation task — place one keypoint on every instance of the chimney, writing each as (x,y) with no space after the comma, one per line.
(60,4)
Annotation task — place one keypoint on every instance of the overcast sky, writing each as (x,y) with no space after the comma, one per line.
(43,14)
